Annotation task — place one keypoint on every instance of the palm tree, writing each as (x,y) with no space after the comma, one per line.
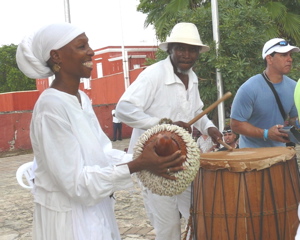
(160,12)
(285,14)
(287,21)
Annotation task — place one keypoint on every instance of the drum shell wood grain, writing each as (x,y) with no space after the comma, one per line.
(259,203)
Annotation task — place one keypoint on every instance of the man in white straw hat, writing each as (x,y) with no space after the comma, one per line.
(168,89)
(256,114)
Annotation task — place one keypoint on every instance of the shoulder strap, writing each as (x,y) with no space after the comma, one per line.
(276,96)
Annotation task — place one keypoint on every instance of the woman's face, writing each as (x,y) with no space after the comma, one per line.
(76,57)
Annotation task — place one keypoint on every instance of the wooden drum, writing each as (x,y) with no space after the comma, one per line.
(246,194)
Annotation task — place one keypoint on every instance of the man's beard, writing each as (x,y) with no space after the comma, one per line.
(183,71)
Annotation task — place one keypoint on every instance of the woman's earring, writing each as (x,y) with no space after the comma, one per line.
(56,68)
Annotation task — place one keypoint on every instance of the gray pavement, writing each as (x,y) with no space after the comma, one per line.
(17,204)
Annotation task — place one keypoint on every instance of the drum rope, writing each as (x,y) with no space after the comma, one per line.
(237,206)
(189,227)
(274,204)
(224,202)
(203,199)
(285,198)
(249,205)
(298,178)
(262,205)
(213,205)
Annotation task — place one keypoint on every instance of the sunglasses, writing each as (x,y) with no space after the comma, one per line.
(282,43)
(227,131)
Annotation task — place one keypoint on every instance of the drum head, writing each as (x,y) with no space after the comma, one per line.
(246,159)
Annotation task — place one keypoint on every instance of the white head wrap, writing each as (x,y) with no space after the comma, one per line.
(34,50)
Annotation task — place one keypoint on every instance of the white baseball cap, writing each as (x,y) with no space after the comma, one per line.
(184,33)
(278,45)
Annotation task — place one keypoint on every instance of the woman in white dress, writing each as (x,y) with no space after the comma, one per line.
(77,169)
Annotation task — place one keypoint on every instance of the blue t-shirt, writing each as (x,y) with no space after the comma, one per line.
(255,103)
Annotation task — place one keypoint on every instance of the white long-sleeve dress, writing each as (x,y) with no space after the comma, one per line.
(76,170)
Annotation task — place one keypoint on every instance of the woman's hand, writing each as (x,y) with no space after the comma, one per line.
(158,165)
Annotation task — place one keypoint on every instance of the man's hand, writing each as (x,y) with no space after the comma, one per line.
(215,135)
(275,134)
(184,125)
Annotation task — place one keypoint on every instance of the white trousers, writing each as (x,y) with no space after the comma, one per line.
(163,213)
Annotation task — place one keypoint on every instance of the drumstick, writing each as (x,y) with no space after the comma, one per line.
(211,107)
(225,145)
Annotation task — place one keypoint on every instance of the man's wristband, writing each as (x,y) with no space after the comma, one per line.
(266,131)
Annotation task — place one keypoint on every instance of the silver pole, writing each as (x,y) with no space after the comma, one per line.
(67,11)
(124,53)
(215,22)
(67,19)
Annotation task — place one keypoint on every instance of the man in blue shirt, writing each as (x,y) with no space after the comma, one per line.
(255,114)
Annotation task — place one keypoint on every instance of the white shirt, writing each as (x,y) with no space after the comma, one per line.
(205,144)
(115,119)
(158,93)
(76,168)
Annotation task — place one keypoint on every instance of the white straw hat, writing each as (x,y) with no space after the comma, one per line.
(184,33)
(278,45)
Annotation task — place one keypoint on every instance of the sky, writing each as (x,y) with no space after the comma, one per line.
(105,22)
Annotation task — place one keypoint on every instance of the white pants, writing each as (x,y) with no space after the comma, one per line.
(163,212)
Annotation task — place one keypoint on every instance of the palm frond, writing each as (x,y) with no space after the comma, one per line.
(276,10)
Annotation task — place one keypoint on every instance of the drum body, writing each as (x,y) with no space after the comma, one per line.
(246,194)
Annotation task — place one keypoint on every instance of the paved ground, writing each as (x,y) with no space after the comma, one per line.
(16,205)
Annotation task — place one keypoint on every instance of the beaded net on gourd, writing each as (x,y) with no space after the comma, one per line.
(171,138)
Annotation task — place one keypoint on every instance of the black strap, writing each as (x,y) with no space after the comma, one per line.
(276,96)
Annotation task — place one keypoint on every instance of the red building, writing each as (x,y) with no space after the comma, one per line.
(105,87)
(110,60)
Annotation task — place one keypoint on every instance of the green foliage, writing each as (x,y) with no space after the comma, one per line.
(244,27)
(11,78)
(161,13)
(286,19)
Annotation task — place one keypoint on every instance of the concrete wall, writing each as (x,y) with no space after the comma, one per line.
(16,109)
(14,127)
(18,101)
